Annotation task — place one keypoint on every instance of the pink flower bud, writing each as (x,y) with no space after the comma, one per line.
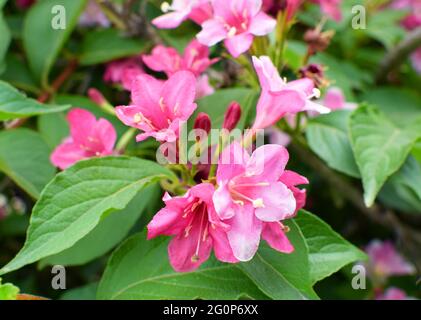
(203,122)
(96,96)
(232,116)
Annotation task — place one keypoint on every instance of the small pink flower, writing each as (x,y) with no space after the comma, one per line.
(416,60)
(203,87)
(168,60)
(236,22)
(123,71)
(160,107)
(331,8)
(93,16)
(88,138)
(181,10)
(279,98)
(413,19)
(385,261)
(254,194)
(393,294)
(196,229)
(335,100)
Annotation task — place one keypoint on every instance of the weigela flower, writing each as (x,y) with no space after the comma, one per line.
(236,22)
(93,16)
(158,107)
(196,229)
(279,98)
(24,4)
(181,10)
(195,59)
(385,261)
(393,294)
(289,6)
(254,195)
(334,99)
(168,60)
(123,72)
(88,138)
(331,8)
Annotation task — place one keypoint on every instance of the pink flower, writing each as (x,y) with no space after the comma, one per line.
(88,138)
(236,22)
(385,261)
(203,87)
(160,107)
(413,19)
(181,10)
(196,228)
(272,7)
(93,16)
(416,60)
(393,294)
(168,60)
(123,71)
(335,100)
(331,8)
(254,194)
(279,98)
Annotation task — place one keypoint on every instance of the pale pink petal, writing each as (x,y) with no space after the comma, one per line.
(221,246)
(203,87)
(269,77)
(223,202)
(276,238)
(262,24)
(232,162)
(334,99)
(267,162)
(170,20)
(238,44)
(163,59)
(244,235)
(213,31)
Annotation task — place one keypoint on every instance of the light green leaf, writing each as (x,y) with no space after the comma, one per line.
(74,202)
(25,158)
(380,147)
(279,275)
(14,104)
(107,234)
(108,44)
(87,292)
(327,136)
(403,190)
(328,251)
(139,269)
(8,291)
(42,42)
(18,74)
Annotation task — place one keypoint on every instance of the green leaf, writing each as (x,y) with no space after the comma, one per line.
(4,39)
(403,190)
(75,201)
(25,158)
(42,42)
(327,136)
(139,269)
(380,147)
(14,104)
(328,251)
(107,234)
(279,275)
(400,105)
(216,104)
(86,292)
(8,291)
(18,74)
(108,44)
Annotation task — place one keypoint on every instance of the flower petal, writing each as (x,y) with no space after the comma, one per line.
(274,235)
(213,31)
(67,154)
(238,44)
(262,24)
(170,20)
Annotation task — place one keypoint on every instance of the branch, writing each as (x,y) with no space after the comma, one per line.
(395,57)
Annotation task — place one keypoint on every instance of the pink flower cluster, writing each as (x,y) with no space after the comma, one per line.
(252,197)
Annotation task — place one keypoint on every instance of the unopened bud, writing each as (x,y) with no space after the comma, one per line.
(318,41)
(203,122)
(232,116)
(314,72)
(96,96)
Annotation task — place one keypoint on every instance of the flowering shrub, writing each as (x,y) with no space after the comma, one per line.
(210,149)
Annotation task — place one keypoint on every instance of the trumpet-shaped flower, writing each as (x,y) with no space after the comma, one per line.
(196,229)
(254,194)
(158,107)
(123,72)
(88,138)
(279,98)
(181,10)
(236,22)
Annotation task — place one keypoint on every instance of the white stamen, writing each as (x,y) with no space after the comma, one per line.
(258,203)
(232,32)
(137,118)
(165,7)
(316,93)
